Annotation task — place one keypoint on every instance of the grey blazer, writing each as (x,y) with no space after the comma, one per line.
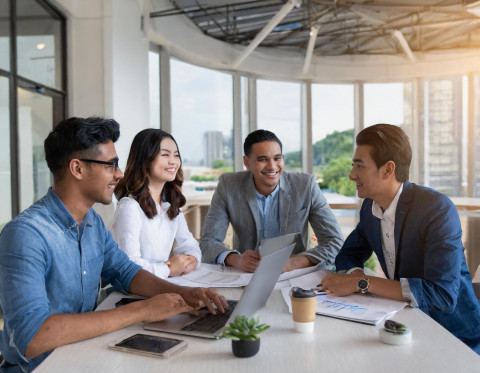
(300,202)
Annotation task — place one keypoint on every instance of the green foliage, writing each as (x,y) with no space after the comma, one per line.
(335,177)
(244,328)
(218,163)
(333,146)
(372,262)
(208,177)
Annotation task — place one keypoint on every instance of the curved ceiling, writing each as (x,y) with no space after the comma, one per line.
(342,27)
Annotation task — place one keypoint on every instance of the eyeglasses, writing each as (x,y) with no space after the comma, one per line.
(112,163)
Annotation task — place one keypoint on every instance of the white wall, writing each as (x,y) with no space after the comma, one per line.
(108,67)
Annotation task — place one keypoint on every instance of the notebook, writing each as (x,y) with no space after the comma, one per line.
(254,297)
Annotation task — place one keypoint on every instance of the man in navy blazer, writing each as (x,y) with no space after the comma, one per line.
(266,202)
(415,233)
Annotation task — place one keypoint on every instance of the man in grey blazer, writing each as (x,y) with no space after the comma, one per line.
(266,202)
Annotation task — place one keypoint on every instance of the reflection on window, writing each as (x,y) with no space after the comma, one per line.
(202,121)
(154,88)
(443,136)
(4,36)
(38,44)
(35,118)
(278,110)
(5,183)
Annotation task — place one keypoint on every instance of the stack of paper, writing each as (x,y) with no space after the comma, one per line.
(362,308)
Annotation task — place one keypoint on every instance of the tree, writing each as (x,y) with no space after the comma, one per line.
(335,177)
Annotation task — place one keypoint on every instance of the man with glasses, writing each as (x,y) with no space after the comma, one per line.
(264,202)
(415,233)
(53,255)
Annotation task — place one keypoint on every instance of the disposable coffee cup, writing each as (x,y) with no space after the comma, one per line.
(304,306)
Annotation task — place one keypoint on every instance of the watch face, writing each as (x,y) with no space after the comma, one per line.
(362,284)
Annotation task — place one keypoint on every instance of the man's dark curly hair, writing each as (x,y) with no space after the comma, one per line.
(77,137)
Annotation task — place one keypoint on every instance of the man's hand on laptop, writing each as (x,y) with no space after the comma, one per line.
(198,297)
(162,306)
(248,261)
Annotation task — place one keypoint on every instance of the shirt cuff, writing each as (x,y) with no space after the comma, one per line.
(407,293)
(347,272)
(221,257)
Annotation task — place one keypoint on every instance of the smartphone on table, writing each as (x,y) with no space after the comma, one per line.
(150,345)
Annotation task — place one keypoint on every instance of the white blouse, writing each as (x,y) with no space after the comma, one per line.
(148,242)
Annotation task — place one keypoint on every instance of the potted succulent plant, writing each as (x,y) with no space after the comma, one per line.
(244,335)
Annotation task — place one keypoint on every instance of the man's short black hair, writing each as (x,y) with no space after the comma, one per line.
(259,136)
(74,135)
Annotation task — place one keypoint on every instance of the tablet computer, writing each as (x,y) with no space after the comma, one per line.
(150,345)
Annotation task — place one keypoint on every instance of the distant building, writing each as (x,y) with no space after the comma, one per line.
(213,146)
(442,137)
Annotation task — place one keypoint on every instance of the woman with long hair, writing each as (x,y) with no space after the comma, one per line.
(148,221)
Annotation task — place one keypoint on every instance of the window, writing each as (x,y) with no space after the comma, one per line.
(476,152)
(333,136)
(5,174)
(154,88)
(278,111)
(202,121)
(39,44)
(443,136)
(4,36)
(35,118)
(32,98)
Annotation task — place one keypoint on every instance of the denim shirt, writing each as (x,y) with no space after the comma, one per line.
(50,264)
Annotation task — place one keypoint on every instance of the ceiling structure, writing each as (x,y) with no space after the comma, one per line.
(336,27)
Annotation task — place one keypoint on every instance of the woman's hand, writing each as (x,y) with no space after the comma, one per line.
(181,264)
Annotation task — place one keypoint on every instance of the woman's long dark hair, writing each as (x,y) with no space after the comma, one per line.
(145,148)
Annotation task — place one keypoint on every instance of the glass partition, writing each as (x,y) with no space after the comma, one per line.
(476,152)
(154,88)
(279,111)
(202,122)
(4,35)
(39,44)
(443,135)
(5,174)
(35,118)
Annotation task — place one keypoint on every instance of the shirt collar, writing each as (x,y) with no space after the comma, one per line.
(60,213)
(390,211)
(271,195)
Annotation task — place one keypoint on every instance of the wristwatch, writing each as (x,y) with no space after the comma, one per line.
(362,285)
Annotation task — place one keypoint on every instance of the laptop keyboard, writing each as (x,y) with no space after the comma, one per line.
(210,323)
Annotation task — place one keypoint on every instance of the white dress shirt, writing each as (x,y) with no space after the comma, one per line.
(387,228)
(148,242)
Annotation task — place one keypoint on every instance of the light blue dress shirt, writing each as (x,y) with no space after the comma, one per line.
(269,218)
(50,264)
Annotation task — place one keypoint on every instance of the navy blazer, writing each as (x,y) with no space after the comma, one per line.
(429,253)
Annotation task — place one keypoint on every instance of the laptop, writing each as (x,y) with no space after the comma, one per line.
(254,297)
(270,245)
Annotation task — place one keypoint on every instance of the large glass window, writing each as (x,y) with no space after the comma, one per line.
(35,118)
(4,35)
(333,135)
(39,44)
(443,136)
(154,88)
(202,121)
(5,175)
(476,90)
(279,111)
(384,103)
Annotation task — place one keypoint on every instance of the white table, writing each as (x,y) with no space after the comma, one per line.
(335,346)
